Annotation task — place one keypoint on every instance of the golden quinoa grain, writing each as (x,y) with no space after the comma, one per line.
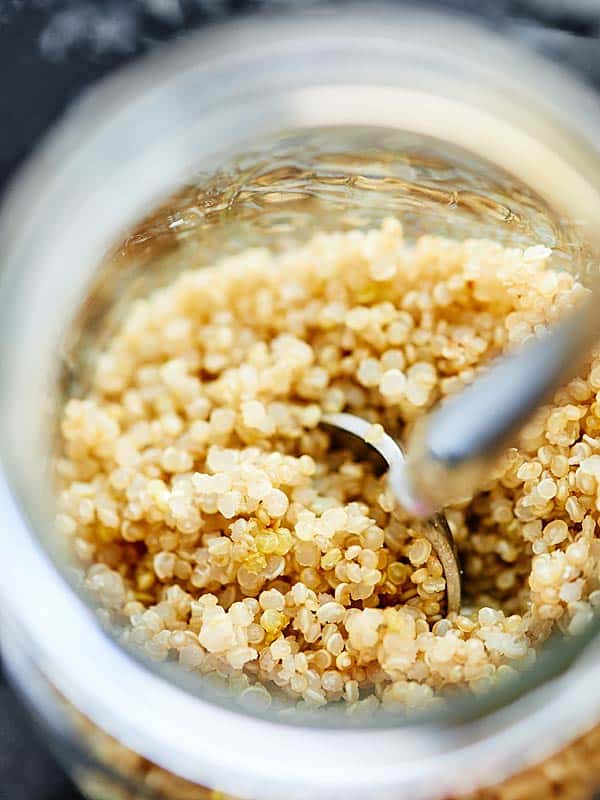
(207,509)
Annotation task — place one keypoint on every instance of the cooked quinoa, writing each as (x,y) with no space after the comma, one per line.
(217,525)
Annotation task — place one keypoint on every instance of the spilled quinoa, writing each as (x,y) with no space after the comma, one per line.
(215,523)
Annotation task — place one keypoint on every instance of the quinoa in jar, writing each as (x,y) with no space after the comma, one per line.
(216,524)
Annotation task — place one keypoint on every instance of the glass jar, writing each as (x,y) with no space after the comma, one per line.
(261,133)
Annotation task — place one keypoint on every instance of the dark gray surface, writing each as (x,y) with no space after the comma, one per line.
(27,770)
(50,50)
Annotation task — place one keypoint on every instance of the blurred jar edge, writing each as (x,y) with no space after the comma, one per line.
(117,153)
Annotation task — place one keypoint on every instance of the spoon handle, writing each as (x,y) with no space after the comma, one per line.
(452,449)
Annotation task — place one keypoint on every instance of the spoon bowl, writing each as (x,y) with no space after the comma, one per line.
(357,435)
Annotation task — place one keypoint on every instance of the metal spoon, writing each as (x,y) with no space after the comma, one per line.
(352,430)
(451,451)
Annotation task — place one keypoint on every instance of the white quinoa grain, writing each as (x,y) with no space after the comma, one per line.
(369,372)
(276,503)
(164,565)
(393,384)
(556,531)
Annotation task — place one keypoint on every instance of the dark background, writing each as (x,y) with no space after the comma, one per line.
(50,50)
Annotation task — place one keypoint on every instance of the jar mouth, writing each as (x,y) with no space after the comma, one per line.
(212,96)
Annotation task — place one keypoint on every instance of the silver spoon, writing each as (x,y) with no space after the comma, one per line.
(353,431)
(453,449)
